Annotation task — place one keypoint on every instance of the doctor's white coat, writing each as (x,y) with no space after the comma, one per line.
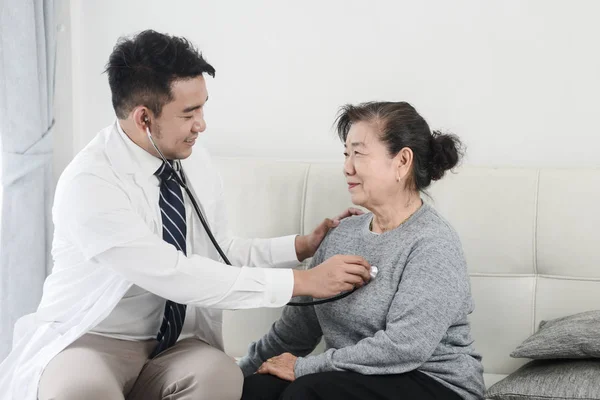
(108,237)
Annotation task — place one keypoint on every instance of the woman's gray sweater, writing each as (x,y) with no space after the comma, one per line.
(413,315)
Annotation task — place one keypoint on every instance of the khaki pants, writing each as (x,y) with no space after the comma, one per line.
(96,367)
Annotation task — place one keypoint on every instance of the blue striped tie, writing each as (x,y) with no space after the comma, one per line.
(172,211)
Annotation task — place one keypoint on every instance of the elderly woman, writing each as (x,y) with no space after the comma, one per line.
(405,334)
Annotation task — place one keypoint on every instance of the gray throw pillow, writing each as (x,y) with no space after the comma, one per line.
(550,379)
(575,336)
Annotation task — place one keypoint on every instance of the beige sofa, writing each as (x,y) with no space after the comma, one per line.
(530,236)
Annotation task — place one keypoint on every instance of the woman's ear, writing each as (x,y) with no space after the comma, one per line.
(404,160)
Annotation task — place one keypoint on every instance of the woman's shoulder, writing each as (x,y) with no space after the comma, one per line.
(349,227)
(354,222)
(434,227)
(435,240)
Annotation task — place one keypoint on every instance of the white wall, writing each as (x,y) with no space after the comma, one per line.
(517,80)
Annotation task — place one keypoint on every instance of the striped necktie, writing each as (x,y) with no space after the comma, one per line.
(172,210)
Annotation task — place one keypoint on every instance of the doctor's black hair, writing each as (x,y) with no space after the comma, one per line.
(142,68)
(400,126)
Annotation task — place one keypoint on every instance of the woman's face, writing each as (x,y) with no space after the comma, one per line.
(372,174)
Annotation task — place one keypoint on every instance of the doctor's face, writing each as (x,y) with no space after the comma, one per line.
(182,119)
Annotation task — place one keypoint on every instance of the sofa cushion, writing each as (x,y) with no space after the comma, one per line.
(575,336)
(550,379)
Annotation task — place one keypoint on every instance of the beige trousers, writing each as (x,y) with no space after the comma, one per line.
(96,367)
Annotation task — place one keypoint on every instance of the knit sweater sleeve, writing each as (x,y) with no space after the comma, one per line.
(297,331)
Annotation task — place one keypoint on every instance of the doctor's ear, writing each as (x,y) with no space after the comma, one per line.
(141,118)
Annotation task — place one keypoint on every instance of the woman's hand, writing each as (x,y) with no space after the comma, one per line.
(281,366)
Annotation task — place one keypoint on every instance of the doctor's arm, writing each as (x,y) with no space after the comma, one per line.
(99,218)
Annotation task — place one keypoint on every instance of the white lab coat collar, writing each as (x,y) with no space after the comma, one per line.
(127,157)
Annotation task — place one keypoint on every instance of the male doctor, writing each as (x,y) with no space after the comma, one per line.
(132,308)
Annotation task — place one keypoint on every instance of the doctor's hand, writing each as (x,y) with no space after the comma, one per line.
(338,274)
(281,366)
(307,245)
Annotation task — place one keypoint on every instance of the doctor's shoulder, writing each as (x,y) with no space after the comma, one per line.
(86,175)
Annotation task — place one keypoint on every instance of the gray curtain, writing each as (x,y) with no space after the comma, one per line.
(27,53)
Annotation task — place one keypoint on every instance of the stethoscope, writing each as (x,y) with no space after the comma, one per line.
(182,182)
